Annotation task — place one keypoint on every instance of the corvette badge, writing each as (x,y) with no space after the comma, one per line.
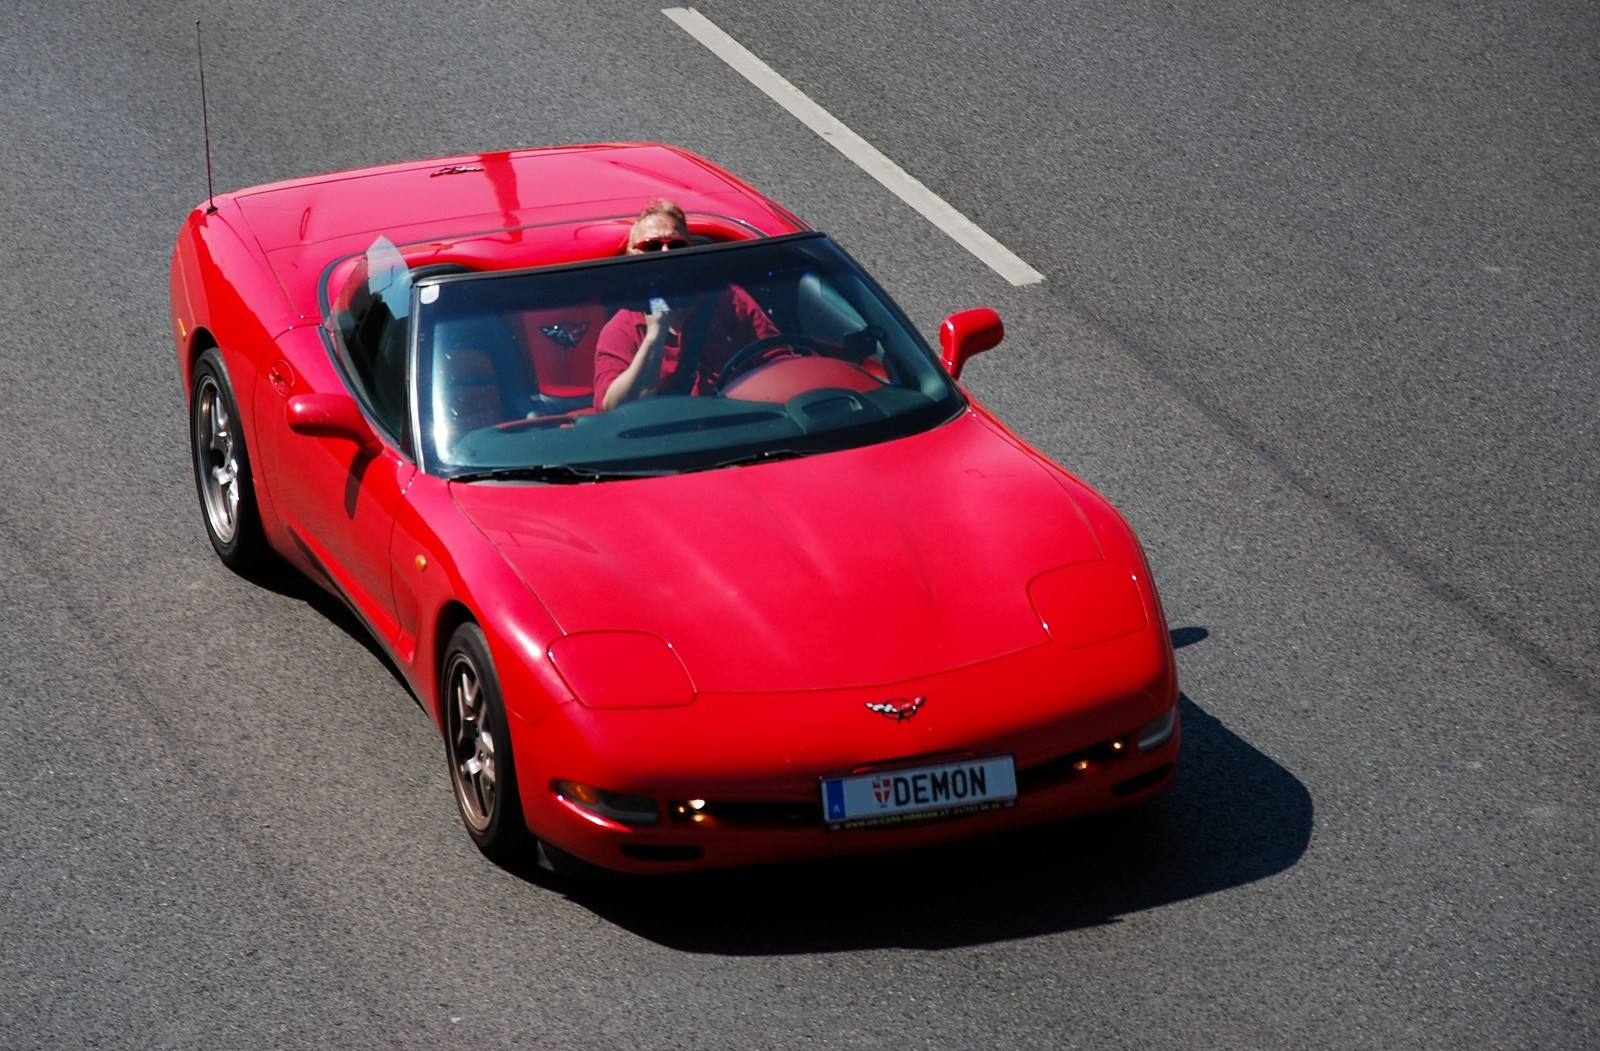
(897,709)
(568,335)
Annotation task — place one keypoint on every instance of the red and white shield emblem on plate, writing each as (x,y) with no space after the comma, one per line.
(882,789)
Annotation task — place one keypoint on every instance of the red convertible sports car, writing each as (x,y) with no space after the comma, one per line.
(796,594)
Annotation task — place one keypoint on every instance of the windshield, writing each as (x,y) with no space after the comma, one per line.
(671,361)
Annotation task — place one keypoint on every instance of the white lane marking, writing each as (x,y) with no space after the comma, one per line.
(933,207)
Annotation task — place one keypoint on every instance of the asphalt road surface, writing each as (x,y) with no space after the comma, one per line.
(1319,314)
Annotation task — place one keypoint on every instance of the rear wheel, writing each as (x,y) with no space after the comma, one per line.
(222,467)
(478,748)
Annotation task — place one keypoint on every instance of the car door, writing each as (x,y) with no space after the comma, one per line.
(337,496)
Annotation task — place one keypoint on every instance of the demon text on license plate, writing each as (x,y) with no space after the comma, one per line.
(893,797)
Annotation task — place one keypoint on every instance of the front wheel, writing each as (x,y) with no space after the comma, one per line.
(222,467)
(478,747)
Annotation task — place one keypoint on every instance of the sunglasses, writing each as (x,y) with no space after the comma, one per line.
(657,244)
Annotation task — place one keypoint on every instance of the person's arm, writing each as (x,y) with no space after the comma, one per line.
(739,321)
(642,373)
(755,320)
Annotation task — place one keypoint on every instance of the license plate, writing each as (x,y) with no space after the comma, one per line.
(923,793)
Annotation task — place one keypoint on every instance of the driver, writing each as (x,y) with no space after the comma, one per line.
(640,354)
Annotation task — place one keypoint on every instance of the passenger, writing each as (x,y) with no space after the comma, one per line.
(641,354)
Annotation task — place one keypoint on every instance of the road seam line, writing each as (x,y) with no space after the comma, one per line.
(862,153)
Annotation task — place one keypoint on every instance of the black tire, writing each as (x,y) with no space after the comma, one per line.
(222,475)
(483,774)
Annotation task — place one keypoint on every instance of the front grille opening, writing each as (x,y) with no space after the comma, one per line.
(713,814)
(736,814)
(1083,763)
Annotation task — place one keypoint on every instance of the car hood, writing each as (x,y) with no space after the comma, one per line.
(862,567)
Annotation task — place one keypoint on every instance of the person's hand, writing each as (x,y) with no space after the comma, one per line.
(657,324)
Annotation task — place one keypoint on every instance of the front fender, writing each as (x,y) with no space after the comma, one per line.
(446,570)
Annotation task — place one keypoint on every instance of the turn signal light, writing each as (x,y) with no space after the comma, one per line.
(613,806)
(1158,731)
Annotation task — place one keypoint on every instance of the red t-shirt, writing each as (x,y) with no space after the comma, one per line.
(736,321)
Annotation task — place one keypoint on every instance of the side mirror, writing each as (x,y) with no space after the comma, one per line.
(968,333)
(329,416)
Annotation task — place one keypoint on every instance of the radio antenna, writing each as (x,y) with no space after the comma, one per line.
(205,117)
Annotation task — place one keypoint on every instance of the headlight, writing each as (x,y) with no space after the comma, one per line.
(622,669)
(1088,602)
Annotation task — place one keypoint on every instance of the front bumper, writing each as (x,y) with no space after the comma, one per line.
(737,779)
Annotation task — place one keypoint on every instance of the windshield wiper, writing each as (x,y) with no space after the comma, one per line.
(560,473)
(566,473)
(764,456)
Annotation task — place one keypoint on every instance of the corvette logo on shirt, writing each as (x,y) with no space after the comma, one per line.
(899,710)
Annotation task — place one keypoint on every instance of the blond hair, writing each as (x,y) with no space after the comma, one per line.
(662,206)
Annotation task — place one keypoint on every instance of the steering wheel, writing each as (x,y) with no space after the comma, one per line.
(803,346)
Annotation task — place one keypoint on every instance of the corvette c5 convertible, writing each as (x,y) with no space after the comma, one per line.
(823,604)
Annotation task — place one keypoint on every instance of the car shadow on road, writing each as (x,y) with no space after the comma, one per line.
(275,576)
(1233,816)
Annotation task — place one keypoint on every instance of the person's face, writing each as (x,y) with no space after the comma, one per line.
(656,233)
